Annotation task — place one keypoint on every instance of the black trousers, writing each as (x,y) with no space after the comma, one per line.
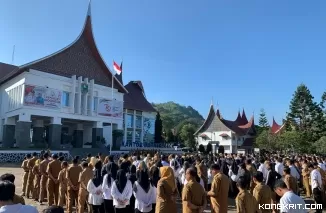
(137,211)
(153,207)
(108,206)
(98,209)
(123,210)
(318,198)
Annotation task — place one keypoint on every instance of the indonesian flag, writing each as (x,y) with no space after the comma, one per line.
(117,68)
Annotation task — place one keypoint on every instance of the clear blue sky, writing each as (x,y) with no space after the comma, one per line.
(249,54)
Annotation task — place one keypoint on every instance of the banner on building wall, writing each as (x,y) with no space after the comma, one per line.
(42,97)
(110,108)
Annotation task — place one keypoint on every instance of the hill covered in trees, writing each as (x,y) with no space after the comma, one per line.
(174,116)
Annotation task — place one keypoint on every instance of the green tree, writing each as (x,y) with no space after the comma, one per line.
(320,145)
(306,115)
(266,140)
(158,128)
(201,148)
(169,136)
(187,135)
(263,121)
(294,141)
(209,148)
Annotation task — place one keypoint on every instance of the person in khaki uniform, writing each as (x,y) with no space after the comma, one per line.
(44,177)
(219,190)
(262,193)
(25,174)
(289,180)
(245,201)
(84,177)
(166,192)
(202,171)
(30,181)
(252,171)
(37,178)
(305,179)
(54,167)
(194,198)
(62,178)
(73,186)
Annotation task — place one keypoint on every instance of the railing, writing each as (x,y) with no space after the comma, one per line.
(147,145)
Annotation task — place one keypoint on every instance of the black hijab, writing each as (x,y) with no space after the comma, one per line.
(132,176)
(197,177)
(155,173)
(121,180)
(97,180)
(112,172)
(143,181)
(234,167)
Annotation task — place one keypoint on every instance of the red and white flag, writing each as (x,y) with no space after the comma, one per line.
(117,68)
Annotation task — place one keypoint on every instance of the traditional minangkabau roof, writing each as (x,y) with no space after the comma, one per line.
(244,117)
(275,128)
(80,58)
(135,99)
(214,122)
(218,113)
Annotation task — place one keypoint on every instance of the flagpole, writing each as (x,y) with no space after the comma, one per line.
(111,114)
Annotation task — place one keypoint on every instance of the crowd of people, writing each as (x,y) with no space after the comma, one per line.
(144,183)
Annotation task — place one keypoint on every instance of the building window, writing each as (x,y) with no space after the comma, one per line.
(129,136)
(139,112)
(130,111)
(130,121)
(95,102)
(137,135)
(65,99)
(138,122)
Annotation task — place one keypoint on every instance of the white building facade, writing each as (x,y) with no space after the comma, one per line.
(69,97)
(224,135)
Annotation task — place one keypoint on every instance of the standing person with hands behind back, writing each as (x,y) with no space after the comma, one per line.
(73,185)
(193,195)
(54,167)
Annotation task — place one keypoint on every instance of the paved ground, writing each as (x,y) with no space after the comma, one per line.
(14,169)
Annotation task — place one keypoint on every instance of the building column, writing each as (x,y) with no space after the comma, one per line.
(38,133)
(85,97)
(23,131)
(97,133)
(142,130)
(79,136)
(91,95)
(8,134)
(134,128)
(125,128)
(55,133)
(79,96)
(73,94)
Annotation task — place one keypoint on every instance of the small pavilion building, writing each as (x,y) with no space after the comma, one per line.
(227,136)
(63,98)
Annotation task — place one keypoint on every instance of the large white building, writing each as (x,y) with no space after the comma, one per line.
(227,136)
(67,98)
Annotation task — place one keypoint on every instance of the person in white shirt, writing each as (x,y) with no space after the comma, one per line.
(288,197)
(294,171)
(182,172)
(154,178)
(165,161)
(316,184)
(279,166)
(121,192)
(262,168)
(7,193)
(143,192)
(136,160)
(108,180)
(94,188)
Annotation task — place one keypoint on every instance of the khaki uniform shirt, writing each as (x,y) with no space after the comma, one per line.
(263,195)
(246,203)
(84,177)
(220,188)
(194,193)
